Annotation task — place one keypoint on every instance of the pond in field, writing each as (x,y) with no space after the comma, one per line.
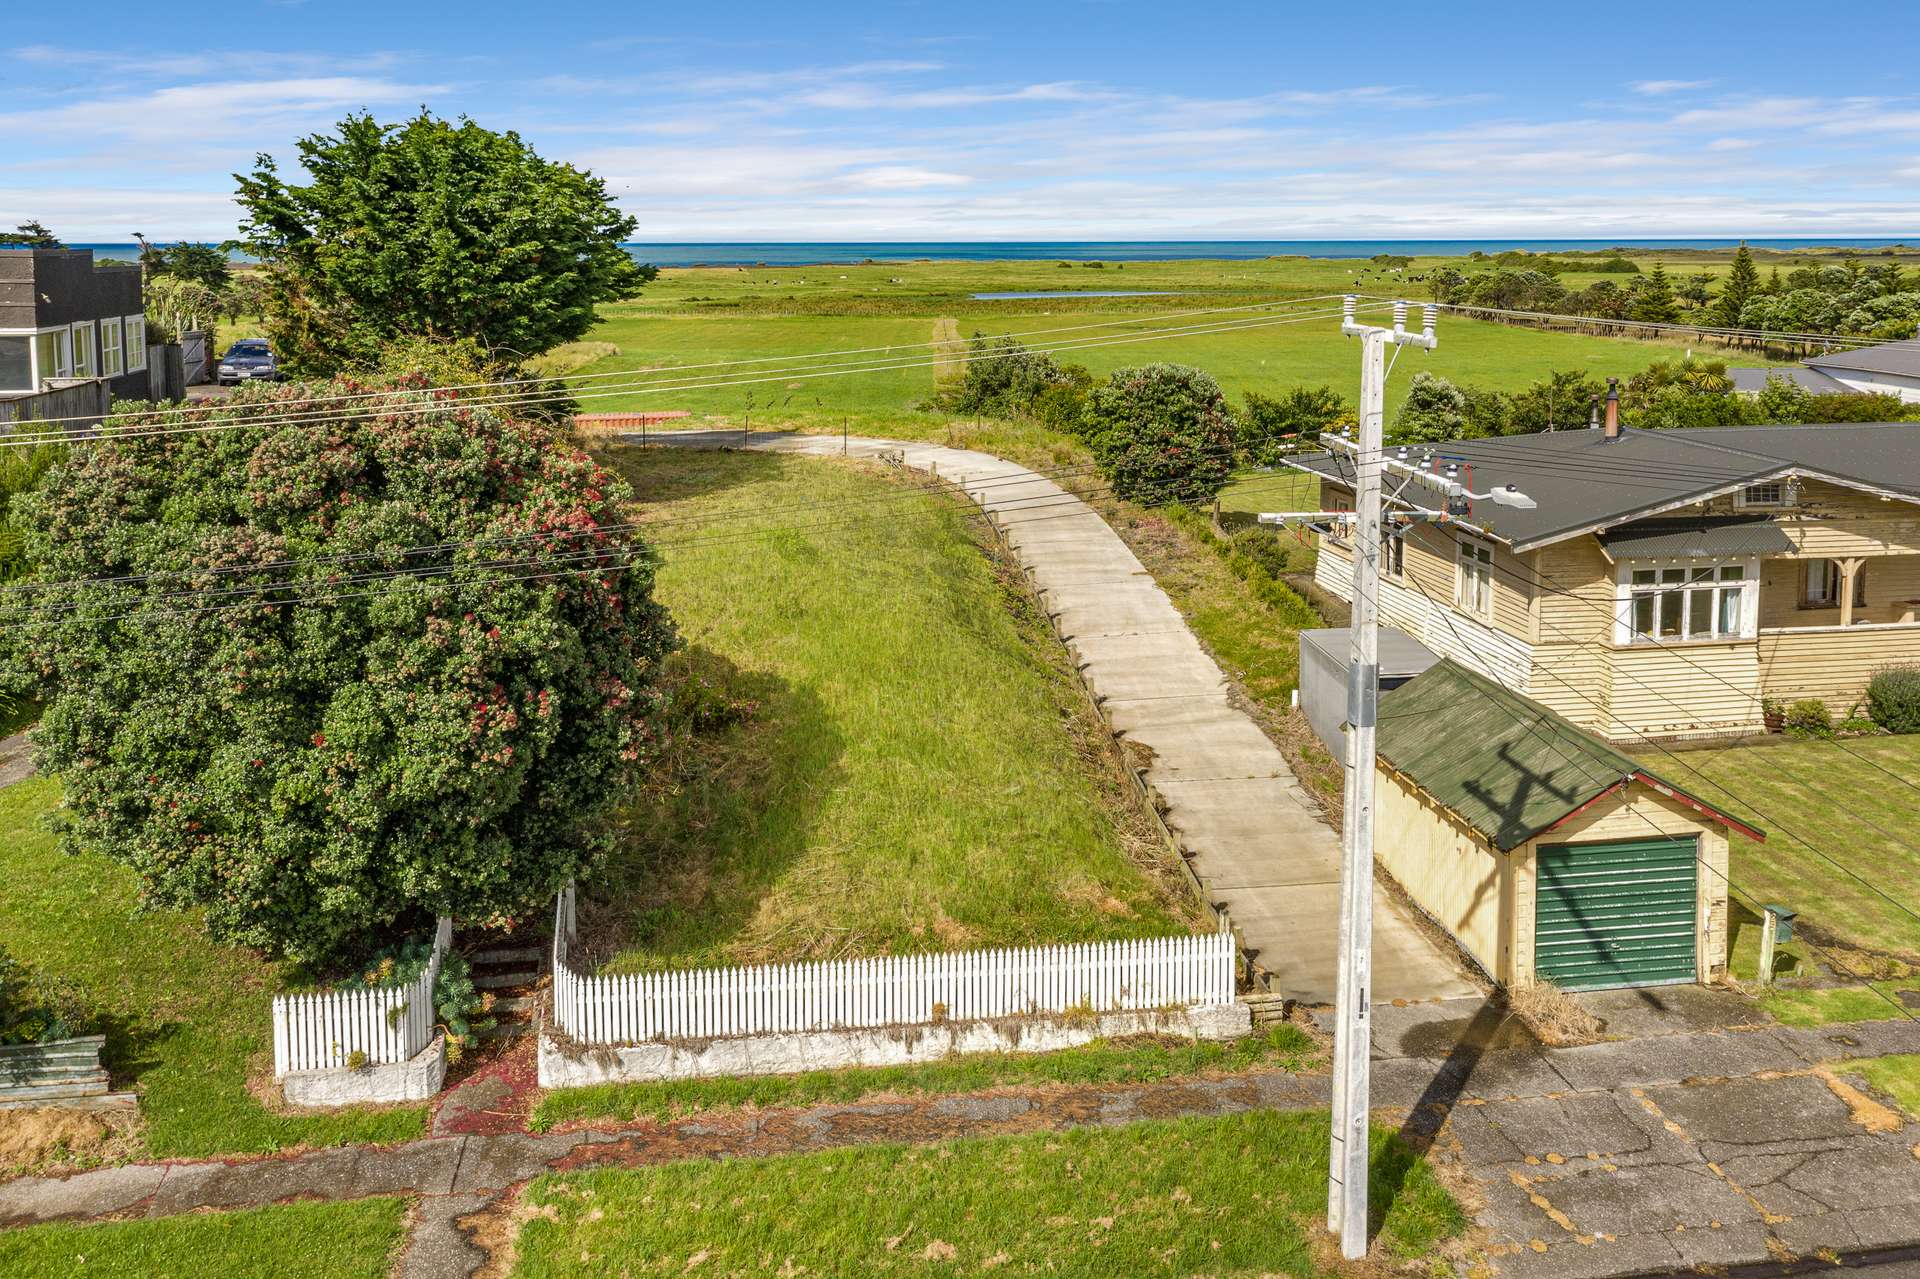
(1076,293)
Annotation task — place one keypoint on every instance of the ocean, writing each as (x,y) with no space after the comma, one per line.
(823,253)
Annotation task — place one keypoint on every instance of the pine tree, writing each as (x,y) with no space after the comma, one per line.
(1742,283)
(33,236)
(1654,303)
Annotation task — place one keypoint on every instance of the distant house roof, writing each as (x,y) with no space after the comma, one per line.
(1900,358)
(1703,537)
(1582,483)
(1502,763)
(1755,380)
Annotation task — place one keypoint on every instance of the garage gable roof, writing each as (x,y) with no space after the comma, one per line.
(1504,764)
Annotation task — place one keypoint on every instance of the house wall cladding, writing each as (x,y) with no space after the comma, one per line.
(1495,653)
(49,287)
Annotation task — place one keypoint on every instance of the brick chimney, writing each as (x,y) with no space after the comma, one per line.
(1611,431)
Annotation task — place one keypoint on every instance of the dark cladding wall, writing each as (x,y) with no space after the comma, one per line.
(41,288)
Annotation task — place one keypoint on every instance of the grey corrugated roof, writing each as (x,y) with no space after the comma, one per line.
(1889,357)
(1506,765)
(1581,481)
(1806,379)
(1400,653)
(1704,537)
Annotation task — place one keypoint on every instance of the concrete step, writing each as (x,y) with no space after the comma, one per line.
(504,981)
(497,955)
(514,1004)
(507,1030)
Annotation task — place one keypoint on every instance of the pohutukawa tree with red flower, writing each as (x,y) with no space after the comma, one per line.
(329,677)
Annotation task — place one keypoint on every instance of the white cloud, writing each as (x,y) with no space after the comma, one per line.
(185,113)
(1658,88)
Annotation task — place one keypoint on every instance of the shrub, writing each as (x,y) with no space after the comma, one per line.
(372,678)
(35,1009)
(459,1007)
(1893,698)
(1162,433)
(1435,410)
(1273,424)
(1809,717)
(1005,379)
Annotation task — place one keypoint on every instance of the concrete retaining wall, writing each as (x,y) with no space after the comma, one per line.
(415,1079)
(564,1064)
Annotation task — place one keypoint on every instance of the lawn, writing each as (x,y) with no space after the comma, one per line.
(1229,1196)
(1820,804)
(187,1020)
(1281,1047)
(355,1240)
(888,751)
(1897,1076)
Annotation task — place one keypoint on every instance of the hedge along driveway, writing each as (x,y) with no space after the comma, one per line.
(186,1020)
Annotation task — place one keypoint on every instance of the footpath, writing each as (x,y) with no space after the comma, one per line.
(1252,834)
(1625,1157)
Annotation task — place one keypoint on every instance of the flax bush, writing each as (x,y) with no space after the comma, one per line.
(370,678)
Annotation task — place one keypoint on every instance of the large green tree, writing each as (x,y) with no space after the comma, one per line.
(327,678)
(1743,284)
(1653,302)
(434,229)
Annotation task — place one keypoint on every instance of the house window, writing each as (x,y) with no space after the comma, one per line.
(16,363)
(1772,493)
(1473,580)
(1696,602)
(136,343)
(52,355)
(83,349)
(111,364)
(1822,584)
(1336,528)
(1393,549)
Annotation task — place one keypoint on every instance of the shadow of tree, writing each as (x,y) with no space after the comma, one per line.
(660,475)
(751,756)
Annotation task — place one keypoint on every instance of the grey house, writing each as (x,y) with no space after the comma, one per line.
(1891,368)
(64,321)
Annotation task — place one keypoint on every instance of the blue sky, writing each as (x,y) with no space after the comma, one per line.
(1084,120)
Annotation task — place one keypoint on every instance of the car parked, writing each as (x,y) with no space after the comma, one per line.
(248,360)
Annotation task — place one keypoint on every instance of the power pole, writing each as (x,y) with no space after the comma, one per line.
(1353,1038)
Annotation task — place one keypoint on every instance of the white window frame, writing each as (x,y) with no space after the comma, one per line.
(136,342)
(1473,561)
(83,340)
(1669,591)
(1744,499)
(62,359)
(112,354)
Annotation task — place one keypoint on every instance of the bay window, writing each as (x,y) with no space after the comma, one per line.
(1692,602)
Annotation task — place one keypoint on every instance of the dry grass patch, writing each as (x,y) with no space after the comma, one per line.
(1554,1017)
(44,1139)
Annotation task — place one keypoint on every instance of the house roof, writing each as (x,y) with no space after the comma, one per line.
(1581,482)
(1699,537)
(1502,763)
(1755,380)
(1900,358)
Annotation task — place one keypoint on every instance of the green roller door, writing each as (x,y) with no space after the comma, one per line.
(1619,914)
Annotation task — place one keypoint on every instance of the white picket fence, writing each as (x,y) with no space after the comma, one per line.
(388,1024)
(890,990)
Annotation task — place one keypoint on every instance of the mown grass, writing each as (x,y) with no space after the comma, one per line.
(1820,804)
(1824,1005)
(895,756)
(1218,1196)
(1897,1076)
(1284,1047)
(186,1020)
(353,1240)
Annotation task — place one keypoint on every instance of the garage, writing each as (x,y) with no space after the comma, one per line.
(1620,913)
(1545,852)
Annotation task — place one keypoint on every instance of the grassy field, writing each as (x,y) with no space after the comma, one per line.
(892,313)
(355,1240)
(1283,1047)
(1231,1196)
(1897,1076)
(187,1021)
(895,756)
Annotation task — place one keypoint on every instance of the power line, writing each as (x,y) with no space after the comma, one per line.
(570,378)
(439,402)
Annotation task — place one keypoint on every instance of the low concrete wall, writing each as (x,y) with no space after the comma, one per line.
(564,1064)
(416,1079)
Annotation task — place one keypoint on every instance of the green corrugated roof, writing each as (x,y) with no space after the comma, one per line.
(1506,765)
